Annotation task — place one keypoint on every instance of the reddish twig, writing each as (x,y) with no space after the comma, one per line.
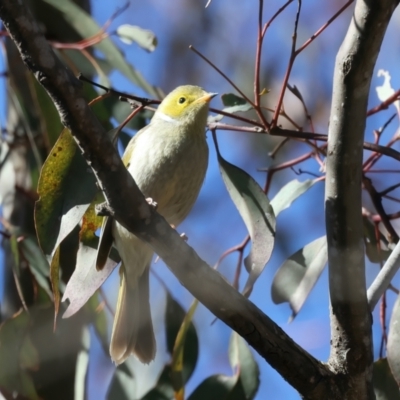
(222,74)
(323,27)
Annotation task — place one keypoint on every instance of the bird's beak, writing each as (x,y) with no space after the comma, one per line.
(206,98)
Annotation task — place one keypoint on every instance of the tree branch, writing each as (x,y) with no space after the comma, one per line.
(351,349)
(385,276)
(300,369)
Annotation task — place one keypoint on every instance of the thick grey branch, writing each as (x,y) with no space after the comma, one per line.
(299,368)
(351,350)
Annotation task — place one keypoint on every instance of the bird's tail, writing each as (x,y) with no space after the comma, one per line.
(133,329)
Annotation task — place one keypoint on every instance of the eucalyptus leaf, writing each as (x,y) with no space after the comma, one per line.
(66,189)
(385,386)
(175,316)
(163,389)
(257,214)
(234,104)
(82,363)
(230,100)
(122,384)
(145,38)
(289,193)
(393,340)
(16,355)
(243,363)
(215,387)
(85,280)
(85,25)
(37,262)
(298,274)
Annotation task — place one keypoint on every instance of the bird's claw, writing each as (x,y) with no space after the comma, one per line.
(152,203)
(184,237)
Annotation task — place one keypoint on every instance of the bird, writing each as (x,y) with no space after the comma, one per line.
(168,160)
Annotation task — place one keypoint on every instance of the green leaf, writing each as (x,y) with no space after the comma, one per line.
(215,387)
(66,189)
(393,340)
(16,355)
(129,34)
(85,25)
(37,262)
(178,354)
(298,274)
(244,365)
(289,193)
(121,109)
(257,214)
(243,385)
(163,390)
(85,280)
(234,105)
(122,384)
(29,356)
(55,281)
(230,100)
(385,386)
(15,252)
(375,253)
(47,112)
(174,318)
(82,363)
(99,320)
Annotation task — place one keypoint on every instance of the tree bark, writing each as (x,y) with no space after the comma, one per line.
(351,335)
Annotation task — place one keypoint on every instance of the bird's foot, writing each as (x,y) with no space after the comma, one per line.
(152,203)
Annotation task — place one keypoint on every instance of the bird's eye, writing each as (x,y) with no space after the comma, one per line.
(181,100)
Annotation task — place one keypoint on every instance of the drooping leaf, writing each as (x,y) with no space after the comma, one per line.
(122,384)
(96,310)
(393,348)
(47,112)
(15,252)
(289,193)
(37,262)
(215,387)
(385,386)
(145,38)
(85,25)
(234,104)
(55,281)
(17,354)
(163,389)
(29,356)
(298,274)
(238,108)
(230,100)
(178,321)
(244,365)
(244,383)
(82,364)
(178,352)
(66,189)
(257,214)
(376,252)
(85,280)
